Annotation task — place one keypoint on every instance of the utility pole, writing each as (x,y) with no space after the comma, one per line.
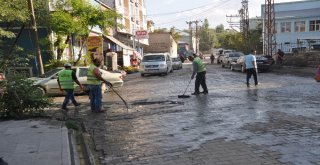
(244,23)
(36,38)
(269,38)
(233,24)
(197,35)
(190,33)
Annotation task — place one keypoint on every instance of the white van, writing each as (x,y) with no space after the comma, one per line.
(156,63)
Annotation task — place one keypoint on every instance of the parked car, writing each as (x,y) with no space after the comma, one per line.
(229,58)
(238,65)
(48,84)
(221,55)
(263,63)
(176,63)
(156,63)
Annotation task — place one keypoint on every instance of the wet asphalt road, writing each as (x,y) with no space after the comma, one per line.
(276,122)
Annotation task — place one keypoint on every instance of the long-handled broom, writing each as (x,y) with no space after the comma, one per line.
(183,95)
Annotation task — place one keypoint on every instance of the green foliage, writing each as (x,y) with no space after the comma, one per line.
(21,99)
(82,16)
(175,35)
(207,37)
(18,56)
(72,125)
(77,18)
(129,69)
(12,13)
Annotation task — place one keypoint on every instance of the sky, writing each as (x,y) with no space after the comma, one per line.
(169,13)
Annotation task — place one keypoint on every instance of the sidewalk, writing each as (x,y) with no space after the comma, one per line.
(34,142)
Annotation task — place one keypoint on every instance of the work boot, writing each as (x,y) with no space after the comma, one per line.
(195,93)
(204,92)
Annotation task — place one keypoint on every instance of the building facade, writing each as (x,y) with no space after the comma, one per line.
(161,43)
(297,25)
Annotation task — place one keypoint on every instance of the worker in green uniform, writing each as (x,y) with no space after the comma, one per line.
(199,69)
(66,79)
(94,82)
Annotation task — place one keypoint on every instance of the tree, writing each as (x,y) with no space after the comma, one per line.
(206,37)
(220,28)
(13,14)
(255,38)
(78,22)
(175,35)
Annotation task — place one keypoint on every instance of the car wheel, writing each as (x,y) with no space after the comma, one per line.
(142,75)
(40,91)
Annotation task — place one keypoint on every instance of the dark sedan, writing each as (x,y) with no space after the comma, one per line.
(263,63)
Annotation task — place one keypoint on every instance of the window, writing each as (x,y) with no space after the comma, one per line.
(300,26)
(314,25)
(285,27)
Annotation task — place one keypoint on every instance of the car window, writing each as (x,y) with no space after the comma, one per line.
(175,59)
(153,58)
(50,73)
(83,72)
(235,55)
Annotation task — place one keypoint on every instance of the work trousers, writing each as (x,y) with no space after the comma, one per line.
(201,80)
(69,96)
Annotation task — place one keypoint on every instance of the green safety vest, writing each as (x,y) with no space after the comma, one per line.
(201,65)
(65,79)
(91,78)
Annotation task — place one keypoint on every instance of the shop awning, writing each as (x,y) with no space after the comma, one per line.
(114,40)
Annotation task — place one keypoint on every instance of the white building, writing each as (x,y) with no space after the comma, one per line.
(297,24)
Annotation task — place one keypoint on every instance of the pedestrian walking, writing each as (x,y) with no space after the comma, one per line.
(94,79)
(212,58)
(199,69)
(280,56)
(251,68)
(66,80)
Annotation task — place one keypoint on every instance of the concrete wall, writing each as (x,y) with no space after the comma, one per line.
(161,42)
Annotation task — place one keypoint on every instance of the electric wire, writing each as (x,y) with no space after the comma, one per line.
(176,20)
(177,12)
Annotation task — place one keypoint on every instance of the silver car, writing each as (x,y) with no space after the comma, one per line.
(156,63)
(176,63)
(48,83)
